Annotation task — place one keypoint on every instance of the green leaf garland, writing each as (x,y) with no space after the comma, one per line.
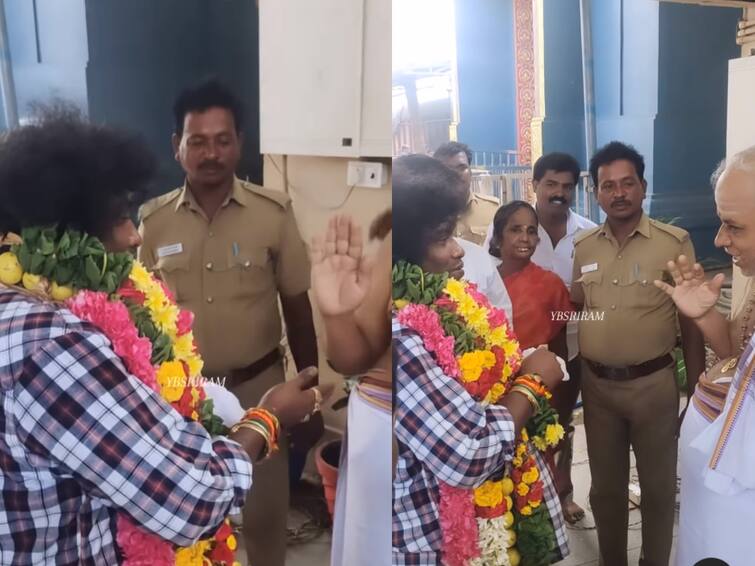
(71,257)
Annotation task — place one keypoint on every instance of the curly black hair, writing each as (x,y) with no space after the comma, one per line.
(62,169)
(210,93)
(427,202)
(614,151)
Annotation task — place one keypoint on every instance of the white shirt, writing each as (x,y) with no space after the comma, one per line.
(480,269)
(559,260)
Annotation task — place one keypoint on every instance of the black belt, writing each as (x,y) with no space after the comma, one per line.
(625,373)
(255,368)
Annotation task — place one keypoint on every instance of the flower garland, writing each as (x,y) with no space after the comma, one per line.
(153,338)
(501,522)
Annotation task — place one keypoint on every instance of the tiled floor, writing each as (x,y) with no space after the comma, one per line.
(583,540)
(582,537)
(314,552)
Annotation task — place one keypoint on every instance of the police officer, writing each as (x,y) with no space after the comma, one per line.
(627,333)
(481,209)
(229,250)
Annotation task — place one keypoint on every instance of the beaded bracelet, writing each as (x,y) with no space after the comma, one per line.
(268,419)
(522,390)
(536,386)
(537,390)
(268,447)
(537,377)
(265,424)
(265,415)
(534,379)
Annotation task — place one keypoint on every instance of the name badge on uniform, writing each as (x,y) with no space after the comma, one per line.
(172,249)
(589,268)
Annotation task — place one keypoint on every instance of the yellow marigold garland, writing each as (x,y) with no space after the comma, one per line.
(174,378)
(500,503)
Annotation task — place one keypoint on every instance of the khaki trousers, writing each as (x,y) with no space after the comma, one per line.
(641,413)
(266,508)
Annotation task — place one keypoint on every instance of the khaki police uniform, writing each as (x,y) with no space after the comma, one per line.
(229,271)
(473,225)
(628,387)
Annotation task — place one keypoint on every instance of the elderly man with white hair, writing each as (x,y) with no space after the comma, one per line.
(717,461)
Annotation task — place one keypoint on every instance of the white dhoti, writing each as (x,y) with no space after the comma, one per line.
(711,525)
(362,516)
(717,467)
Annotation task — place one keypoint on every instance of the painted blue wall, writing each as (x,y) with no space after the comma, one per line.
(625,58)
(690,128)
(660,85)
(563,126)
(487,88)
(142,53)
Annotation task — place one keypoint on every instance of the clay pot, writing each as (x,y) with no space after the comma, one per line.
(326,459)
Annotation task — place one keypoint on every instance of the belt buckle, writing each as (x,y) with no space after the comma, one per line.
(612,373)
(603,371)
(622,373)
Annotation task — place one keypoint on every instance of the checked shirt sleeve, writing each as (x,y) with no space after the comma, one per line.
(458,440)
(78,407)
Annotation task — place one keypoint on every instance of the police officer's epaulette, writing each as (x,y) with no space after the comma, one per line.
(488,198)
(154,204)
(582,235)
(679,233)
(278,197)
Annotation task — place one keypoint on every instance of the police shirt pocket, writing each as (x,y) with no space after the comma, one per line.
(173,270)
(592,289)
(642,293)
(252,270)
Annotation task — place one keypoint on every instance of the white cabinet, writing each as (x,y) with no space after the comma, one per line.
(325,77)
(740,110)
(740,128)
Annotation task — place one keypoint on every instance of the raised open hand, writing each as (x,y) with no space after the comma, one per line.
(693,294)
(340,274)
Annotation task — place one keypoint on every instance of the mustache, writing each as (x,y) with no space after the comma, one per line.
(560,200)
(622,202)
(210,165)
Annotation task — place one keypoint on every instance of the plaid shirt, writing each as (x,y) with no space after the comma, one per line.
(444,435)
(81,439)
